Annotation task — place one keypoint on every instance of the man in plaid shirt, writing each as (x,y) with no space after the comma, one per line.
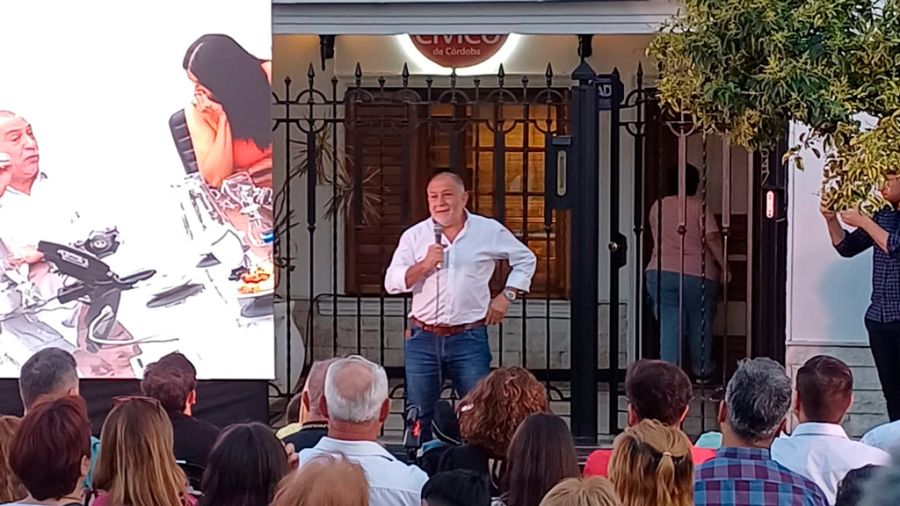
(742,473)
(883,316)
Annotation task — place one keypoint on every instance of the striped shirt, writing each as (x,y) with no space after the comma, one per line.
(749,477)
(885,306)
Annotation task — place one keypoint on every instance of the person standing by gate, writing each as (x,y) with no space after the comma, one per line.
(680,256)
(883,316)
(447,261)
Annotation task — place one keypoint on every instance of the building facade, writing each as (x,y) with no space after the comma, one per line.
(365,114)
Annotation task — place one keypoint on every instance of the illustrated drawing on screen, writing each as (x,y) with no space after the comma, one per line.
(70,282)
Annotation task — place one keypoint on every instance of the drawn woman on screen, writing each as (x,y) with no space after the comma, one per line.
(230,117)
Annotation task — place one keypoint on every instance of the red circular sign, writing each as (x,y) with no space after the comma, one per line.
(455,51)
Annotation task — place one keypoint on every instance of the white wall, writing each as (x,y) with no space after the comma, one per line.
(827,297)
(827,294)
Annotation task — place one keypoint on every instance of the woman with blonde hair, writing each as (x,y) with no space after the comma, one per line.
(137,465)
(325,480)
(594,491)
(652,464)
(11,489)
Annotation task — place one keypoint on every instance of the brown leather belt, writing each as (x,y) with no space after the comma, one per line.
(446,330)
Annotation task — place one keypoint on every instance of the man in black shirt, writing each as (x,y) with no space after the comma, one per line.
(314,423)
(173,381)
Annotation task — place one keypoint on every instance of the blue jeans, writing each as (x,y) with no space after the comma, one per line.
(663,288)
(465,358)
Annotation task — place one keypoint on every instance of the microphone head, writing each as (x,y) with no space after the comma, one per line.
(438,228)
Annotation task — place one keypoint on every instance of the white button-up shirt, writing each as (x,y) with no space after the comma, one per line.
(391,482)
(823,453)
(26,219)
(459,292)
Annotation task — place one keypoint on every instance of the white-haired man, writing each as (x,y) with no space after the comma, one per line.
(356,405)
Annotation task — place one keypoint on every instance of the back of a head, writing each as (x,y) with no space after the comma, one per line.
(493,410)
(170,380)
(651,464)
(883,489)
(444,423)
(355,390)
(825,389)
(758,398)
(11,489)
(854,485)
(50,372)
(540,455)
(137,464)
(691,180)
(315,383)
(244,467)
(595,491)
(325,480)
(460,487)
(658,390)
(51,448)
(292,411)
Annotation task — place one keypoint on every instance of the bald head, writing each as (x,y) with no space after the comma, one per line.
(355,390)
(447,199)
(315,386)
(451,177)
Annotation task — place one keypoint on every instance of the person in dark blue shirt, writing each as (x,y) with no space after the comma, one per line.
(881,231)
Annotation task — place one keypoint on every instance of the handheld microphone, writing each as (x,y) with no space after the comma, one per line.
(5,161)
(438,234)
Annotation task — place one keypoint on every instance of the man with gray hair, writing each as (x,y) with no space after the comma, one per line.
(447,261)
(742,473)
(356,405)
(48,375)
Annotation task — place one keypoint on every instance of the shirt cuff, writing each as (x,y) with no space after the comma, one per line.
(395,280)
(518,281)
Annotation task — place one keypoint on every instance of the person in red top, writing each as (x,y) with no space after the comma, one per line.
(656,390)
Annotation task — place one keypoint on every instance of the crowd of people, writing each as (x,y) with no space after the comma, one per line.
(499,446)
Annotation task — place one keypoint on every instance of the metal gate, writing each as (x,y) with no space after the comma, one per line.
(364,148)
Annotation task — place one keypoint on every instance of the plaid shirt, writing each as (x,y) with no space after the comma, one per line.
(749,477)
(885,306)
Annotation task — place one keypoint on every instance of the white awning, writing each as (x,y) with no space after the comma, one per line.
(540,17)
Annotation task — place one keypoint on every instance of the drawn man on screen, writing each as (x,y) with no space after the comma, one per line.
(30,212)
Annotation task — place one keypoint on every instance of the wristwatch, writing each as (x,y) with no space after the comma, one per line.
(510,294)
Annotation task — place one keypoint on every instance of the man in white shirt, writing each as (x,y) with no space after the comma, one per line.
(27,210)
(819,448)
(356,404)
(32,209)
(447,261)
